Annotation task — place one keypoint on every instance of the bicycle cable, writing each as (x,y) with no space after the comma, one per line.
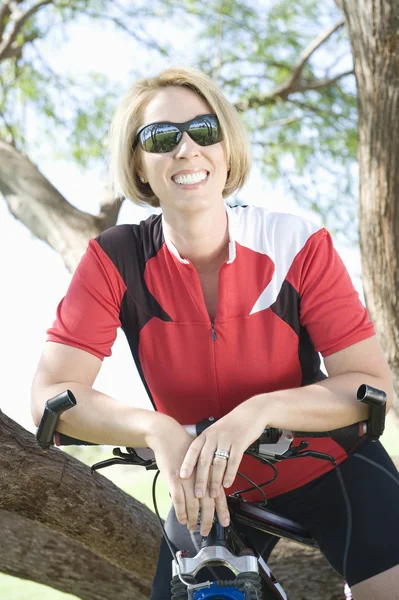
(260,485)
(165,535)
(254,486)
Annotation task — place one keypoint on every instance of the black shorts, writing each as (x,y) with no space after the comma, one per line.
(352,512)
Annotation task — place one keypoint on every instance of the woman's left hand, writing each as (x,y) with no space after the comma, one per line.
(233,433)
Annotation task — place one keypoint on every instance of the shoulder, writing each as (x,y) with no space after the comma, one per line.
(273,232)
(121,241)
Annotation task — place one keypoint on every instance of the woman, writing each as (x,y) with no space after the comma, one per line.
(225,311)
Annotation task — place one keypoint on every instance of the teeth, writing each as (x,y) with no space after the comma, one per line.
(189,179)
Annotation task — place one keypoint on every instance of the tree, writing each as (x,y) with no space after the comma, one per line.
(79,533)
(374,33)
(305,116)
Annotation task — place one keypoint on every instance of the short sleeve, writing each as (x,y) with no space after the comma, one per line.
(89,315)
(330,307)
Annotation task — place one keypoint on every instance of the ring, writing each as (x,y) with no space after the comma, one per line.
(222,454)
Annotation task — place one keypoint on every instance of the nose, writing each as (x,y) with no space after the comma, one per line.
(187,147)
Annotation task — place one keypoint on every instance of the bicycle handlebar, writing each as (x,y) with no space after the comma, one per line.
(373,427)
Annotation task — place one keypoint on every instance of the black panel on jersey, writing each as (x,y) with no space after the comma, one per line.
(129,318)
(309,359)
(130,247)
(287,307)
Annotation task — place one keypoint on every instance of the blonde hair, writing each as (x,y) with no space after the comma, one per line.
(124,180)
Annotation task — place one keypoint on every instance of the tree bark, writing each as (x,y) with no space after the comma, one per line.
(30,550)
(78,533)
(304,573)
(53,492)
(374,33)
(34,201)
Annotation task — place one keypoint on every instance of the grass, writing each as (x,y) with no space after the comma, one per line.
(138,484)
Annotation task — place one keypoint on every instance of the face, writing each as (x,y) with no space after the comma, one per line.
(169,173)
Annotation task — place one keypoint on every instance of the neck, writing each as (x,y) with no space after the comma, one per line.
(201,238)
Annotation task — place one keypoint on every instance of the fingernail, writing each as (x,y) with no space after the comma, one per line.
(226,522)
(205,534)
(198,493)
(227,483)
(183,474)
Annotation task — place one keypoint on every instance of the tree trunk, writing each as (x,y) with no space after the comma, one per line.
(34,201)
(31,551)
(79,533)
(374,32)
(48,493)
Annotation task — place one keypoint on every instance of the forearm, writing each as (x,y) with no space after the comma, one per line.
(98,418)
(322,406)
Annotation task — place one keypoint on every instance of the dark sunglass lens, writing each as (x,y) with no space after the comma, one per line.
(160,138)
(205,131)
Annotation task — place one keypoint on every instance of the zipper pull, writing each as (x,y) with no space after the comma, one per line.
(214,337)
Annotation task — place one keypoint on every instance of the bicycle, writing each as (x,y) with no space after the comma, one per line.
(251,577)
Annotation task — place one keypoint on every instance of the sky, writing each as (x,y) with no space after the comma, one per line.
(34,276)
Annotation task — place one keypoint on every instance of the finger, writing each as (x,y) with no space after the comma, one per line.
(222,509)
(204,467)
(191,457)
(207,514)
(232,466)
(179,502)
(192,505)
(219,466)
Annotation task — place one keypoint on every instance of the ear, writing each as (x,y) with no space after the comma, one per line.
(140,173)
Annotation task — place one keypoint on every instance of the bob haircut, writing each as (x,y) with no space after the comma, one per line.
(124,180)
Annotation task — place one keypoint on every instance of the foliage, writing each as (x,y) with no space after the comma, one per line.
(307,138)
(302,122)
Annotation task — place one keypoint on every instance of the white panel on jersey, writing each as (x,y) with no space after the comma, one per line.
(280,236)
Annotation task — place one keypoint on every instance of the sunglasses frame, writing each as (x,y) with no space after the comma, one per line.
(182,127)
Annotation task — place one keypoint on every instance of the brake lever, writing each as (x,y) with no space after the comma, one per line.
(287,451)
(130,458)
(298,451)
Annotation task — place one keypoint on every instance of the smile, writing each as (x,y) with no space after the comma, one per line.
(190,178)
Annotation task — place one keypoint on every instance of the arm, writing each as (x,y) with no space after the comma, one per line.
(332,403)
(318,407)
(339,328)
(101,419)
(97,417)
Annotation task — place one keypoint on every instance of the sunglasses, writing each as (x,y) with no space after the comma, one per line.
(158,138)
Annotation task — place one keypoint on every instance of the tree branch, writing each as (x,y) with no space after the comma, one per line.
(109,210)
(318,84)
(282,122)
(18,24)
(60,493)
(150,43)
(30,550)
(307,53)
(5,12)
(12,51)
(292,83)
(34,201)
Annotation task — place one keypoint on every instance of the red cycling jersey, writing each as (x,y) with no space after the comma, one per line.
(284,296)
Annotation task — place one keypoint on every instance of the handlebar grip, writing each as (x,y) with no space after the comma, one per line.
(376,401)
(61,439)
(356,430)
(52,410)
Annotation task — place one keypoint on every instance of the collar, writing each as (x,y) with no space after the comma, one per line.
(231,224)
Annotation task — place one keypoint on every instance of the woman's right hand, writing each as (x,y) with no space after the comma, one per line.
(170,442)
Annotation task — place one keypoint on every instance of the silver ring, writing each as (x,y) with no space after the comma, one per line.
(222,454)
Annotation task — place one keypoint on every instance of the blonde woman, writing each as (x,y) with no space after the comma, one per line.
(226,311)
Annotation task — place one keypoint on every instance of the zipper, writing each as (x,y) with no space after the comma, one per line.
(214,336)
